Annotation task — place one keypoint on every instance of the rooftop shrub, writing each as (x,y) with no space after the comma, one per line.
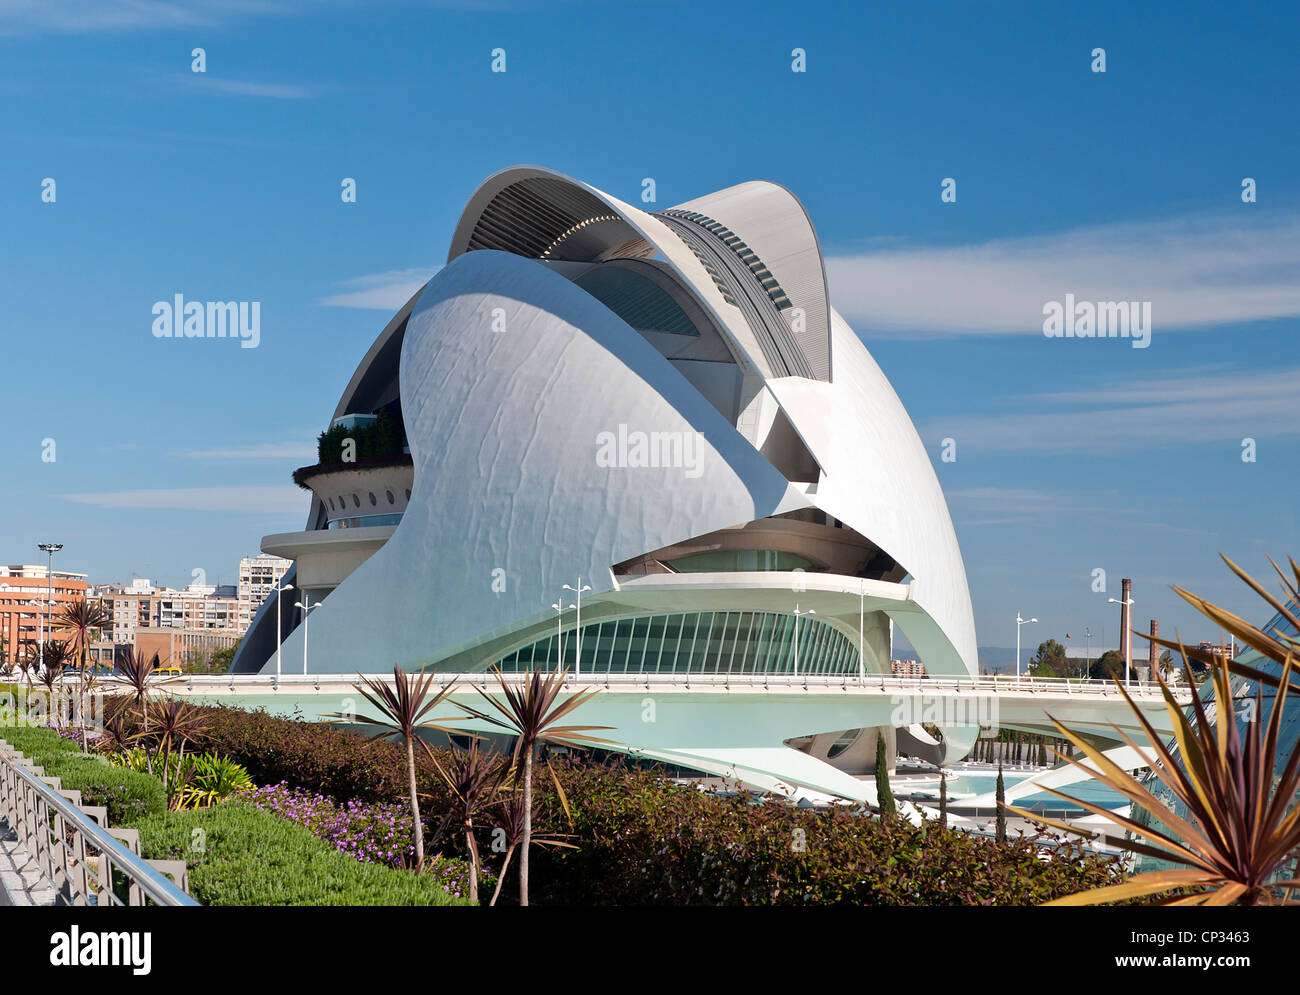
(239,855)
(644,840)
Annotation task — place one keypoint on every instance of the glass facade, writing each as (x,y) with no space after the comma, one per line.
(697,643)
(729,561)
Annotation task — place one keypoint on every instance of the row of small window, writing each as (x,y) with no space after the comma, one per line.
(356,500)
(747,255)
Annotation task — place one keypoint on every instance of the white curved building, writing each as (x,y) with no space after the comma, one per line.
(663,404)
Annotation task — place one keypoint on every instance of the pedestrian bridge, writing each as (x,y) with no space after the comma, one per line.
(741,725)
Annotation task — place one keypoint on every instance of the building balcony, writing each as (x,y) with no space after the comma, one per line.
(370,492)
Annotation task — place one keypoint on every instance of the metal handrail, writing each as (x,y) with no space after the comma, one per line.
(43,819)
(990,683)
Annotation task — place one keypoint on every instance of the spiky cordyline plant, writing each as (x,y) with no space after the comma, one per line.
(1237,834)
(57,656)
(134,671)
(175,725)
(474,777)
(403,710)
(515,818)
(531,712)
(83,619)
(1275,649)
(27,658)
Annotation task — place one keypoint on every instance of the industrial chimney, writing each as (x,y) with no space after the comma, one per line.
(1153,658)
(1125,618)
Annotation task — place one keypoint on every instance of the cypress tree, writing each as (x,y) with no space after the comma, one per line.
(943,798)
(1002,815)
(884,796)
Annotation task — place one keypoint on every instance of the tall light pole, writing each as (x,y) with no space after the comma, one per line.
(797,615)
(577,626)
(51,548)
(306,614)
(278,589)
(1087,659)
(1019,622)
(560,608)
(1128,638)
(862,617)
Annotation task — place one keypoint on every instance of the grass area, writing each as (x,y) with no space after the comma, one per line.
(126,794)
(239,855)
(236,854)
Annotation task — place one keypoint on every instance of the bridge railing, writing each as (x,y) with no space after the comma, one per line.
(251,683)
(73,853)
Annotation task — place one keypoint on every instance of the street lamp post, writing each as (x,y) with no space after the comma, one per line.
(1087,659)
(577,626)
(306,615)
(51,548)
(1128,637)
(278,590)
(1019,622)
(797,615)
(560,608)
(862,616)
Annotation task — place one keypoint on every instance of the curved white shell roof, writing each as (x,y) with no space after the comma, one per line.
(509,499)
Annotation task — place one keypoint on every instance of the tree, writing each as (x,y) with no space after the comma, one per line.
(83,619)
(474,777)
(943,798)
(531,712)
(175,724)
(884,796)
(1001,798)
(512,816)
(1109,664)
(1049,661)
(1165,663)
(135,672)
(402,712)
(220,661)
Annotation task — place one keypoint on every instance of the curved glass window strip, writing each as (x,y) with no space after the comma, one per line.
(733,560)
(697,643)
(1243,692)
(365,521)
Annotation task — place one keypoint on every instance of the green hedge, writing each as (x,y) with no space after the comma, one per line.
(126,794)
(37,743)
(244,856)
(645,841)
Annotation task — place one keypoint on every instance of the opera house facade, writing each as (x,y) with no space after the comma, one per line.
(664,404)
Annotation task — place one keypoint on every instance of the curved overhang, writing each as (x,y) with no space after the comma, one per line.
(531,210)
(775,225)
(878,479)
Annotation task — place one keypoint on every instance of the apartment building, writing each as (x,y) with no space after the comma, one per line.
(24,612)
(257,575)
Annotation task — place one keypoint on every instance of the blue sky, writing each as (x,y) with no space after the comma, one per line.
(1071,454)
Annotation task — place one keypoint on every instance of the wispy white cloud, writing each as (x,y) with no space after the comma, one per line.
(1195,407)
(93,16)
(248,88)
(382,291)
(84,16)
(1196,272)
(262,450)
(260,500)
